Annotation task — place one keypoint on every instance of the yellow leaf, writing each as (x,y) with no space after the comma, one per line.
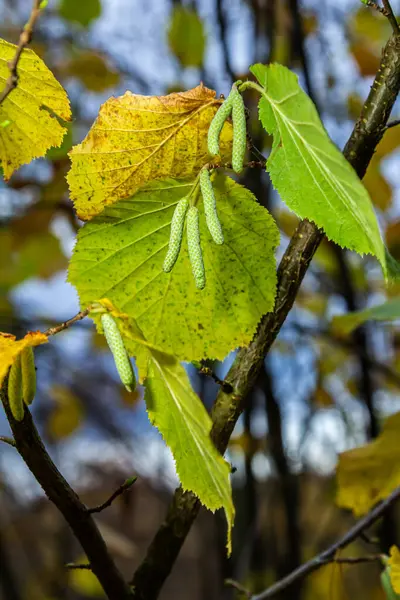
(394,563)
(139,138)
(370,473)
(84,582)
(66,416)
(30,110)
(10,348)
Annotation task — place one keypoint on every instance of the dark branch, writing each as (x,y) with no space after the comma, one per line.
(329,555)
(369,129)
(121,490)
(389,14)
(24,40)
(57,489)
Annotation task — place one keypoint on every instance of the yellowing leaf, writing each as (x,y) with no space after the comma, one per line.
(186,36)
(66,415)
(370,473)
(139,138)
(30,110)
(394,563)
(10,348)
(92,70)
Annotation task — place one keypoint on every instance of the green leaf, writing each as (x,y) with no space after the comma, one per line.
(186,36)
(119,255)
(29,127)
(389,311)
(309,172)
(183,421)
(80,12)
(181,418)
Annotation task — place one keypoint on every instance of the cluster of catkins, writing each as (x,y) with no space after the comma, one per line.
(183,212)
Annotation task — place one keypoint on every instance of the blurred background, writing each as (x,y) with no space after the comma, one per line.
(320,393)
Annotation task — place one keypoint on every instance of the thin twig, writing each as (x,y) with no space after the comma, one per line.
(389,14)
(121,490)
(8,440)
(24,40)
(226,387)
(357,560)
(329,554)
(393,123)
(57,328)
(77,566)
(239,587)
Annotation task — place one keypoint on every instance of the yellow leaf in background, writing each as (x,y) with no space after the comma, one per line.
(66,415)
(30,110)
(322,398)
(10,348)
(139,138)
(186,36)
(393,238)
(370,473)
(92,70)
(394,563)
(377,186)
(84,582)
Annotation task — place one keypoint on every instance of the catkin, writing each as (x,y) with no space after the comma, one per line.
(194,247)
(28,375)
(210,207)
(216,125)
(15,390)
(117,347)
(239,133)
(175,238)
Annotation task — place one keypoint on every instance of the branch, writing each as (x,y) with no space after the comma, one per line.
(24,40)
(328,555)
(121,490)
(369,129)
(57,328)
(8,440)
(389,14)
(57,489)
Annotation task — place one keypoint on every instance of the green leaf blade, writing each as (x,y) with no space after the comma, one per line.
(307,169)
(120,255)
(185,425)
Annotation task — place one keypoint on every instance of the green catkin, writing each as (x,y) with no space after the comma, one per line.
(216,125)
(387,585)
(121,358)
(210,207)
(175,238)
(239,133)
(15,390)
(194,247)
(28,375)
